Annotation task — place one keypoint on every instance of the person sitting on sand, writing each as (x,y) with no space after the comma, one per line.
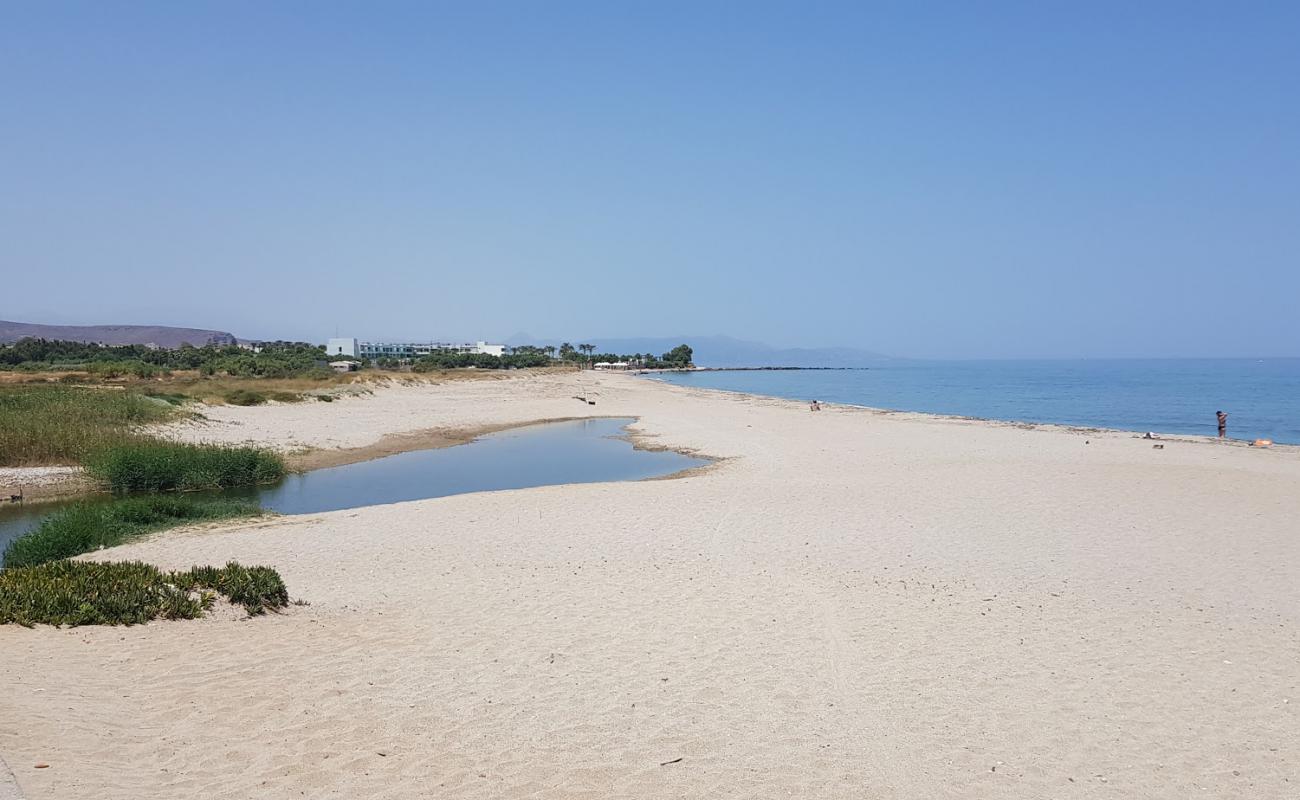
(815,406)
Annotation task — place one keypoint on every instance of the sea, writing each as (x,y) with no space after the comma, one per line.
(1171,396)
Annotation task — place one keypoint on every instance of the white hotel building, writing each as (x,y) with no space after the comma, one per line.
(405,350)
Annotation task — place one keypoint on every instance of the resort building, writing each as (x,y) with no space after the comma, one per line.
(341,347)
(406,350)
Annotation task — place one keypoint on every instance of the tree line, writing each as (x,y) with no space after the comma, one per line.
(533,356)
(268,360)
(284,359)
(677,358)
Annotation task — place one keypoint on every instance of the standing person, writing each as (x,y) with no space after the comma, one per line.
(1223,423)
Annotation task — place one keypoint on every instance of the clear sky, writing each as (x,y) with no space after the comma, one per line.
(921,179)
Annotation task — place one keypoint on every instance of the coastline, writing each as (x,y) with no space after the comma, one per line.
(901,414)
(921,605)
(1159,436)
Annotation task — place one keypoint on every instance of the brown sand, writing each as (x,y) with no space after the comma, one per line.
(853,604)
(43,483)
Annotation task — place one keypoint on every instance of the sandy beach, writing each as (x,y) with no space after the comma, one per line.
(849,604)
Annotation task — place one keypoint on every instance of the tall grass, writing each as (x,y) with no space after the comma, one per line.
(59,424)
(130,593)
(158,466)
(85,527)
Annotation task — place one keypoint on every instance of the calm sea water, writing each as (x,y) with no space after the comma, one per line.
(1262,397)
(579,451)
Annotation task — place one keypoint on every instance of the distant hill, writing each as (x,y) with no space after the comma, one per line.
(160,335)
(724,351)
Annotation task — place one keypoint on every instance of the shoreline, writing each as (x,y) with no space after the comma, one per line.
(1062,427)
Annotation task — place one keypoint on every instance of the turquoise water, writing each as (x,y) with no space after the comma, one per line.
(1262,397)
(581,451)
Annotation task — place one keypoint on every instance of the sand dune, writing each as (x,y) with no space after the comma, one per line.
(851,604)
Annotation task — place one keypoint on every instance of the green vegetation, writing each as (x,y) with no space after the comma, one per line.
(284,360)
(677,358)
(249,397)
(130,593)
(520,357)
(99,428)
(119,369)
(158,466)
(255,588)
(245,397)
(85,527)
(65,424)
(270,360)
(170,398)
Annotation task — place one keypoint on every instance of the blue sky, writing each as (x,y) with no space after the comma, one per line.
(921,179)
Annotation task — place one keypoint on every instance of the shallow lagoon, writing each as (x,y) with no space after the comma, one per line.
(578,451)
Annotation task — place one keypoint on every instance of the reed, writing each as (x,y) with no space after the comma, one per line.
(86,527)
(159,466)
(62,424)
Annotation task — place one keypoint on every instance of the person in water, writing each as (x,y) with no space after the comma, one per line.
(1223,423)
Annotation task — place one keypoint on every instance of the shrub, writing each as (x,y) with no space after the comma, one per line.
(84,527)
(129,593)
(120,369)
(254,588)
(286,397)
(245,397)
(155,466)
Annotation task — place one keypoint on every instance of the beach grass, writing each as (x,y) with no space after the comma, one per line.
(159,466)
(85,527)
(130,593)
(62,424)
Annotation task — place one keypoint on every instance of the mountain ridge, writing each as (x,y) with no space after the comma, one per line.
(159,335)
